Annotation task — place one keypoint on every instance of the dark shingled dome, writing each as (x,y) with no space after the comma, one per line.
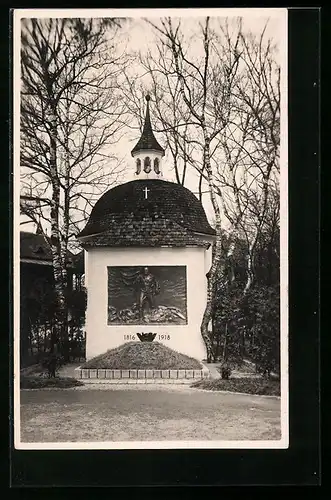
(171,214)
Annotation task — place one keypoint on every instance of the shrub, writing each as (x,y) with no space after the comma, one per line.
(225,371)
(30,382)
(261,387)
(249,327)
(52,362)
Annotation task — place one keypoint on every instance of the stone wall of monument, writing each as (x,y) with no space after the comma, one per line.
(180,271)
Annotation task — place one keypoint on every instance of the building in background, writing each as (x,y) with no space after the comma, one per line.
(37,299)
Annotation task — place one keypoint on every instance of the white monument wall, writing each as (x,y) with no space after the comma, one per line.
(187,339)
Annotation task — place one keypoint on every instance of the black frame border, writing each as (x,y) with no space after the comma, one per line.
(300,464)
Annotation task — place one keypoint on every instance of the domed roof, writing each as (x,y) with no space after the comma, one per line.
(147,212)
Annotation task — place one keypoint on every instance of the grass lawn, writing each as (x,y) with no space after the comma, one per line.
(78,415)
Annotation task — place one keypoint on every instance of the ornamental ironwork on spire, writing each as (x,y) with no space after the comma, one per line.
(147,141)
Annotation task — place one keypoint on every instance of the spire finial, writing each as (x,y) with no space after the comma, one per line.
(147,141)
(39,229)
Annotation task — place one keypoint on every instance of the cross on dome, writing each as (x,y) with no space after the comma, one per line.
(146,191)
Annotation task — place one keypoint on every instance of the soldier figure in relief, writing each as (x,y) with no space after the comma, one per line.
(148,288)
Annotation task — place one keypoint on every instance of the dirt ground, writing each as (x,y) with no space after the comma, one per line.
(140,413)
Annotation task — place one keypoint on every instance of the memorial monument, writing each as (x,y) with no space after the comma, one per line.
(148,250)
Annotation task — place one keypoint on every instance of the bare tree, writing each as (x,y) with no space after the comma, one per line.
(170,114)
(248,179)
(193,80)
(71,113)
(231,93)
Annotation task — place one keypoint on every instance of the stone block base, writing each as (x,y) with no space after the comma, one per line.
(140,376)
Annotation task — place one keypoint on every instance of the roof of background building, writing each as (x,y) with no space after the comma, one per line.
(36,247)
(171,215)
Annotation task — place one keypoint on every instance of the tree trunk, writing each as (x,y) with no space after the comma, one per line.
(59,333)
(200,117)
(250,267)
(185,164)
(65,239)
(212,274)
(200,186)
(206,320)
(225,342)
(242,345)
(218,344)
(213,336)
